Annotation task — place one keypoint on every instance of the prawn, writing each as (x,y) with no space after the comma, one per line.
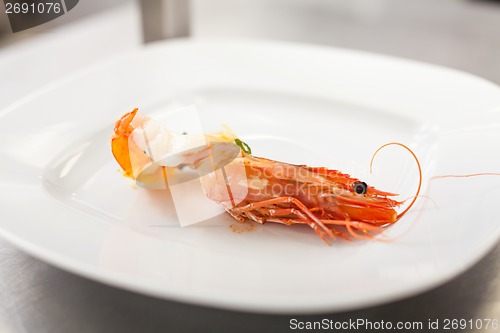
(330,202)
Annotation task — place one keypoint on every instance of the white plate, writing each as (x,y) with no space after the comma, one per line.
(63,201)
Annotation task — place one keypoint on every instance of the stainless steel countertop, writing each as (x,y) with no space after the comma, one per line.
(37,297)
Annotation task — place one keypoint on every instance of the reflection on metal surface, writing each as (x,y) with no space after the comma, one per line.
(163,19)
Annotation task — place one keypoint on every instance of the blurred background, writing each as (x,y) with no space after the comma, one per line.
(462,34)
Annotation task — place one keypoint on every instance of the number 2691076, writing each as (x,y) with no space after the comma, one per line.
(32,8)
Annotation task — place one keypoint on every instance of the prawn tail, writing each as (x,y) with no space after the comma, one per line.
(127,154)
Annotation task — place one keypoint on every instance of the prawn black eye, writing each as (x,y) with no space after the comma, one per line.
(360,187)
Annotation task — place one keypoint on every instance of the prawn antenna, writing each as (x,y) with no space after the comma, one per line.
(466,175)
(419,173)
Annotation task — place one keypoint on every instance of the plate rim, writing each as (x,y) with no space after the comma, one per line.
(59,260)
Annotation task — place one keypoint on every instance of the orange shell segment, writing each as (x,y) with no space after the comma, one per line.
(122,149)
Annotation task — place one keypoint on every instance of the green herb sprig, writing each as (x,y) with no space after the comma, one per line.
(246,148)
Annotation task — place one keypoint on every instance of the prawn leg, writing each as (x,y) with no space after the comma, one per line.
(282,215)
(307,216)
(279,215)
(363,227)
(322,234)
